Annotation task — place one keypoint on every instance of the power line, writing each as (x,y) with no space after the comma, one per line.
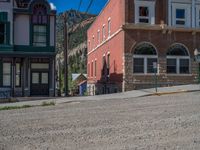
(90,4)
(79,6)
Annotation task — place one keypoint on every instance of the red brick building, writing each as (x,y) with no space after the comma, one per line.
(129,36)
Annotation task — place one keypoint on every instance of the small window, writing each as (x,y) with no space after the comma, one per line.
(35,78)
(143,14)
(39,35)
(6,74)
(45,78)
(98,36)
(180,17)
(103,33)
(109,27)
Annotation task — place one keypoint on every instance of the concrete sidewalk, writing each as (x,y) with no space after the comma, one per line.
(130,94)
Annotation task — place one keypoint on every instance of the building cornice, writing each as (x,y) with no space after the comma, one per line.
(161,27)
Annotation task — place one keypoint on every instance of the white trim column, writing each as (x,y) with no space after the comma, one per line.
(169,13)
(193,14)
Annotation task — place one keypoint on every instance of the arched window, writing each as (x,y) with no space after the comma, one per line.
(178,60)
(39,21)
(144,57)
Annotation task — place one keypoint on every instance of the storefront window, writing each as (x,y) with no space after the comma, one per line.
(6,74)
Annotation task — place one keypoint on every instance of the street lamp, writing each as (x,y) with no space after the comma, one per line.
(197,59)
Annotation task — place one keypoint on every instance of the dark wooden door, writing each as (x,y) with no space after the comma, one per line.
(39,83)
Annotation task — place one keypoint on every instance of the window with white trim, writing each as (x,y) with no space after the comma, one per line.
(178,60)
(98,36)
(6,74)
(40,22)
(103,33)
(109,27)
(93,42)
(181,15)
(145,11)
(144,57)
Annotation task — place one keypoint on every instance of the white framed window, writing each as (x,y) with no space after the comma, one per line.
(181,15)
(109,27)
(145,11)
(93,42)
(144,57)
(39,35)
(103,33)
(6,74)
(98,36)
(178,60)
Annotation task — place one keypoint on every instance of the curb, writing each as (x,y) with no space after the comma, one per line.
(174,92)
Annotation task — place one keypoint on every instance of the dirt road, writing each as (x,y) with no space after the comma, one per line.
(169,122)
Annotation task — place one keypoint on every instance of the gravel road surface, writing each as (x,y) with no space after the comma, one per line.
(170,122)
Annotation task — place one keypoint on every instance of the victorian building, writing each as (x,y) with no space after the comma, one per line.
(27,47)
(131,37)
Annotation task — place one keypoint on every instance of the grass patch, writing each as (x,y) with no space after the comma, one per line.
(14,107)
(48,104)
(27,106)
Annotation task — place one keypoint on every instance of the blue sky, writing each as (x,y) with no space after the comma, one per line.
(63,5)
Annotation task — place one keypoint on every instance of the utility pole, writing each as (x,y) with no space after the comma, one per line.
(65,55)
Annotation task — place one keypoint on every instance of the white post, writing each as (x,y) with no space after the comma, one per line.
(169,13)
(193,18)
